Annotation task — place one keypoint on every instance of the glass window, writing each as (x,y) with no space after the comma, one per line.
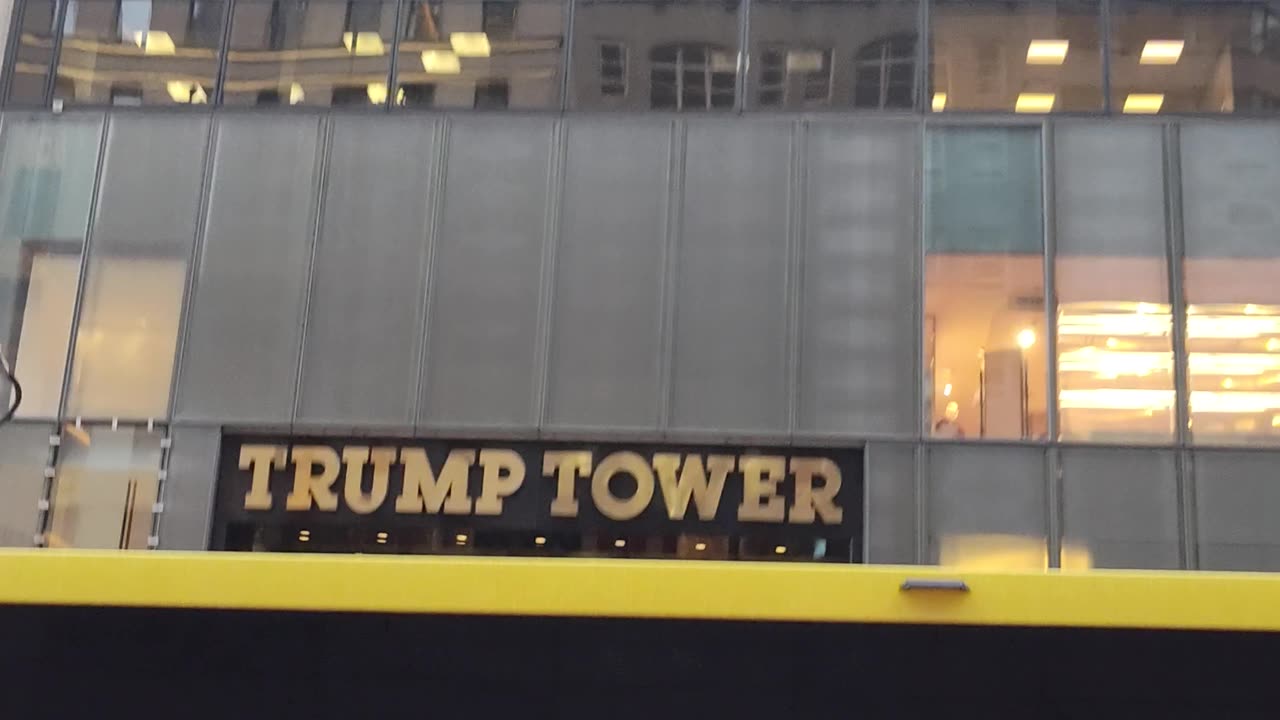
(681,57)
(139,52)
(1115,351)
(34,52)
(482,55)
(985,365)
(24,452)
(296,52)
(1034,56)
(1231,179)
(46,185)
(1202,56)
(816,54)
(105,487)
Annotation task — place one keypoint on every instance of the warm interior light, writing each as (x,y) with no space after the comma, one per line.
(461,538)
(441,62)
(1162,52)
(470,44)
(946,390)
(363,44)
(619,543)
(1228,383)
(939,101)
(154,42)
(780,550)
(304,536)
(1047,52)
(1026,338)
(377,93)
(1273,345)
(700,546)
(382,536)
(1143,103)
(539,540)
(1035,102)
(296,94)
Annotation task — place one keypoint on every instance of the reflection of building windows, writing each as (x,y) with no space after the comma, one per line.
(417,95)
(692,77)
(126,95)
(884,73)
(363,16)
(773,77)
(498,19)
(492,95)
(809,70)
(422,21)
(613,69)
(204,23)
(133,19)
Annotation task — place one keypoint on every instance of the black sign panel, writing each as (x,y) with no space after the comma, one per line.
(538,486)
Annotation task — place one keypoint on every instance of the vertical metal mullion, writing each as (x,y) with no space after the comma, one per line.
(670,250)
(393,70)
(922,484)
(1175,249)
(797,209)
(548,272)
(744,56)
(55,54)
(566,55)
(921,456)
(436,202)
(46,496)
(323,153)
(224,53)
(194,257)
(924,51)
(1053,496)
(1104,43)
(12,41)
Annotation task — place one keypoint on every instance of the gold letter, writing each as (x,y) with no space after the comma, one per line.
(355,456)
(308,484)
(823,498)
(503,475)
(260,458)
(609,504)
(760,477)
(423,491)
(568,465)
(692,481)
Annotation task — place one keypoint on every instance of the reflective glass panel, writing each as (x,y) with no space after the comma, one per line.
(105,487)
(1035,56)
(1178,56)
(486,55)
(139,52)
(984,344)
(34,52)
(645,55)
(295,52)
(815,54)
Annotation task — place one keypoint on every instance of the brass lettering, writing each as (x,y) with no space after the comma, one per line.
(423,490)
(821,499)
(612,506)
(311,483)
(260,459)
(692,481)
(760,499)
(568,465)
(355,457)
(503,475)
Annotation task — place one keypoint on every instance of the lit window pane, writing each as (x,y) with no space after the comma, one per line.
(813,55)
(1027,57)
(1115,352)
(1231,179)
(681,57)
(984,284)
(24,450)
(140,52)
(488,55)
(34,53)
(46,186)
(295,52)
(105,487)
(1195,56)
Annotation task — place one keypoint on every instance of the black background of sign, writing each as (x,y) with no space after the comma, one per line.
(529,508)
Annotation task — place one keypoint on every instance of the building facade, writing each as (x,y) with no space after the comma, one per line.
(961,283)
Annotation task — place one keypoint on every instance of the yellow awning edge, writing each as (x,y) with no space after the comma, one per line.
(640,589)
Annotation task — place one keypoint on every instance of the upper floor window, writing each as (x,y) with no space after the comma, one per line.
(884,72)
(692,77)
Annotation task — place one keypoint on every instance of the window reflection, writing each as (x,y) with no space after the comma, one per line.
(833,53)
(105,487)
(484,55)
(984,285)
(295,52)
(34,53)
(1027,57)
(630,55)
(1195,56)
(139,52)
